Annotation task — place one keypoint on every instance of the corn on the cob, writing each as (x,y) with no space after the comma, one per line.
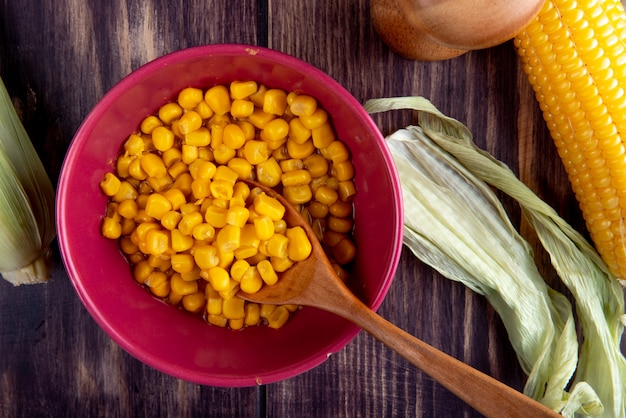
(574,54)
(26,203)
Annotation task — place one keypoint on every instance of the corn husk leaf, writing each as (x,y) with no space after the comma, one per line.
(26,203)
(599,384)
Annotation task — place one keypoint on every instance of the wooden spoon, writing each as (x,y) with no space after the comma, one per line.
(313,282)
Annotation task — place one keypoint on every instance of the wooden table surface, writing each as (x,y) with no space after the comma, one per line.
(59,57)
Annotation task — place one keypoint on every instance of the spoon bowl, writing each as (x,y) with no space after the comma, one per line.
(313,282)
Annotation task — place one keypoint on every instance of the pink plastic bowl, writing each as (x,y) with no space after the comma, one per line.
(170,340)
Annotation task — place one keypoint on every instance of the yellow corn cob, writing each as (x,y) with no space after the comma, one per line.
(574,54)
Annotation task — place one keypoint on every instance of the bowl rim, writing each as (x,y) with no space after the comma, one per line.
(100,108)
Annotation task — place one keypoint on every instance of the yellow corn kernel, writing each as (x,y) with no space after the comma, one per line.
(255,152)
(189,97)
(267,273)
(228,238)
(183,183)
(343,171)
(268,172)
(341,225)
(277,246)
(204,110)
(316,119)
(234,308)
(275,101)
(158,283)
(201,188)
(177,168)
(275,130)
(233,136)
(231,290)
(213,301)
(238,268)
(225,173)
(318,209)
(316,165)
(217,320)
(189,153)
(194,302)
(162,138)
(341,209)
(219,278)
(200,137)
(215,216)
(241,108)
(190,121)
(278,318)
(264,227)
(141,271)
(298,195)
(300,151)
(157,242)
(142,229)
(135,171)
(149,123)
(170,219)
(298,132)
(176,197)
(326,195)
(346,190)
(111,228)
(248,129)
(291,164)
(128,226)
(153,165)
(299,247)
(237,216)
(242,89)
(157,205)
(182,287)
(125,192)
(171,156)
(183,263)
(170,112)
(189,221)
(235,324)
(252,311)
(345,251)
(218,98)
(241,166)
(142,217)
(134,145)
(269,206)
(251,280)
(266,310)
(110,184)
(192,275)
(221,189)
(337,152)
(260,119)
(127,246)
(295,178)
(573,55)
(323,136)
(179,241)
(206,256)
(121,166)
(160,184)
(223,154)
(303,105)
(281,264)
(203,232)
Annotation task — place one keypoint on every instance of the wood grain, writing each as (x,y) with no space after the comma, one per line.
(58,58)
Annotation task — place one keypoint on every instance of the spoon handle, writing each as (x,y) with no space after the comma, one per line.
(487,395)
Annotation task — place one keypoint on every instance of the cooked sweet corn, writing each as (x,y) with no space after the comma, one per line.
(193,232)
(573,54)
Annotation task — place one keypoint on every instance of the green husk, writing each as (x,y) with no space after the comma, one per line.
(440,221)
(26,203)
